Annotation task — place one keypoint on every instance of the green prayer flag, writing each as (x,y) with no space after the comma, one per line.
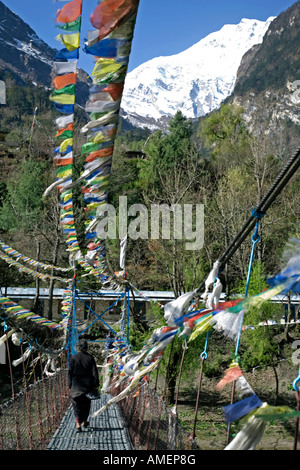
(69,89)
(65,135)
(72,26)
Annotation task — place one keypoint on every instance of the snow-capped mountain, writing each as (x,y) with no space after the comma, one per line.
(194,81)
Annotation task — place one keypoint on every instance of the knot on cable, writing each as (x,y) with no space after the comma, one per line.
(257,214)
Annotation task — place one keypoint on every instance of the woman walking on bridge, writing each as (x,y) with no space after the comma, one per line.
(83,378)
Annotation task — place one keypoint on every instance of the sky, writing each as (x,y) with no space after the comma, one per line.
(163,27)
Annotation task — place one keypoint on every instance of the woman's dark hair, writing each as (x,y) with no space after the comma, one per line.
(82,345)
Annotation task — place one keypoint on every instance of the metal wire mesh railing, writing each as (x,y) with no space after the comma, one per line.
(28,420)
(151,424)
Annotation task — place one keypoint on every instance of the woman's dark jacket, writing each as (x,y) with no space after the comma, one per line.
(82,374)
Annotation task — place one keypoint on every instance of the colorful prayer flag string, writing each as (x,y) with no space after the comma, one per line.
(25,259)
(20,313)
(110,43)
(68,19)
(24,269)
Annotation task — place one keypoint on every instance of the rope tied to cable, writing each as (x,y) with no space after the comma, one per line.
(203,357)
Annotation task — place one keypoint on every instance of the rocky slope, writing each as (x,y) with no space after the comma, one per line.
(268,84)
(27,57)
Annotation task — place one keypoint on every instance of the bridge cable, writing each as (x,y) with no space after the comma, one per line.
(280,182)
(255,240)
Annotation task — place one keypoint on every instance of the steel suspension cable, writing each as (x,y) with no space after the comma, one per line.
(280,182)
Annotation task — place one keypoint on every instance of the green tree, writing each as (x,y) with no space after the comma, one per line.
(167,179)
(31,222)
(23,205)
(225,134)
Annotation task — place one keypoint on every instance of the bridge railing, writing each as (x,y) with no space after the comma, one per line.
(28,420)
(152,425)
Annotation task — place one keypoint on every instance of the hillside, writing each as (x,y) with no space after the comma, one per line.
(268,82)
(276,61)
(27,57)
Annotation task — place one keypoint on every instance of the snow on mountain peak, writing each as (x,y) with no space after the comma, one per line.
(194,81)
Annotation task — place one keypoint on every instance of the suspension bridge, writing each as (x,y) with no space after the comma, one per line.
(130,414)
(40,417)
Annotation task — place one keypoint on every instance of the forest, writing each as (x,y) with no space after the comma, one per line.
(213,161)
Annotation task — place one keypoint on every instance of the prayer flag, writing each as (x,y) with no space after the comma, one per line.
(63,99)
(231,374)
(64,108)
(65,67)
(115,90)
(65,144)
(70,12)
(71,41)
(111,13)
(64,121)
(69,127)
(241,408)
(61,81)
(104,67)
(71,26)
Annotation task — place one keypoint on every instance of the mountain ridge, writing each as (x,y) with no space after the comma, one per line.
(20,48)
(194,81)
(267,85)
(27,57)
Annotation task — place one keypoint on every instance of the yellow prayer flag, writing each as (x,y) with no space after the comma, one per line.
(63,99)
(65,144)
(67,196)
(100,137)
(104,66)
(71,41)
(65,173)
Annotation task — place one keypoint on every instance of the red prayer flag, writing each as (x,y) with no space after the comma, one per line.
(70,12)
(230,375)
(111,13)
(68,128)
(99,154)
(62,81)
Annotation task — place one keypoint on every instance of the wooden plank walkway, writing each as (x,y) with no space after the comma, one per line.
(106,431)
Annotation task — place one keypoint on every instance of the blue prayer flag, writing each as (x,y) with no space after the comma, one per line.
(241,408)
(65,54)
(64,108)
